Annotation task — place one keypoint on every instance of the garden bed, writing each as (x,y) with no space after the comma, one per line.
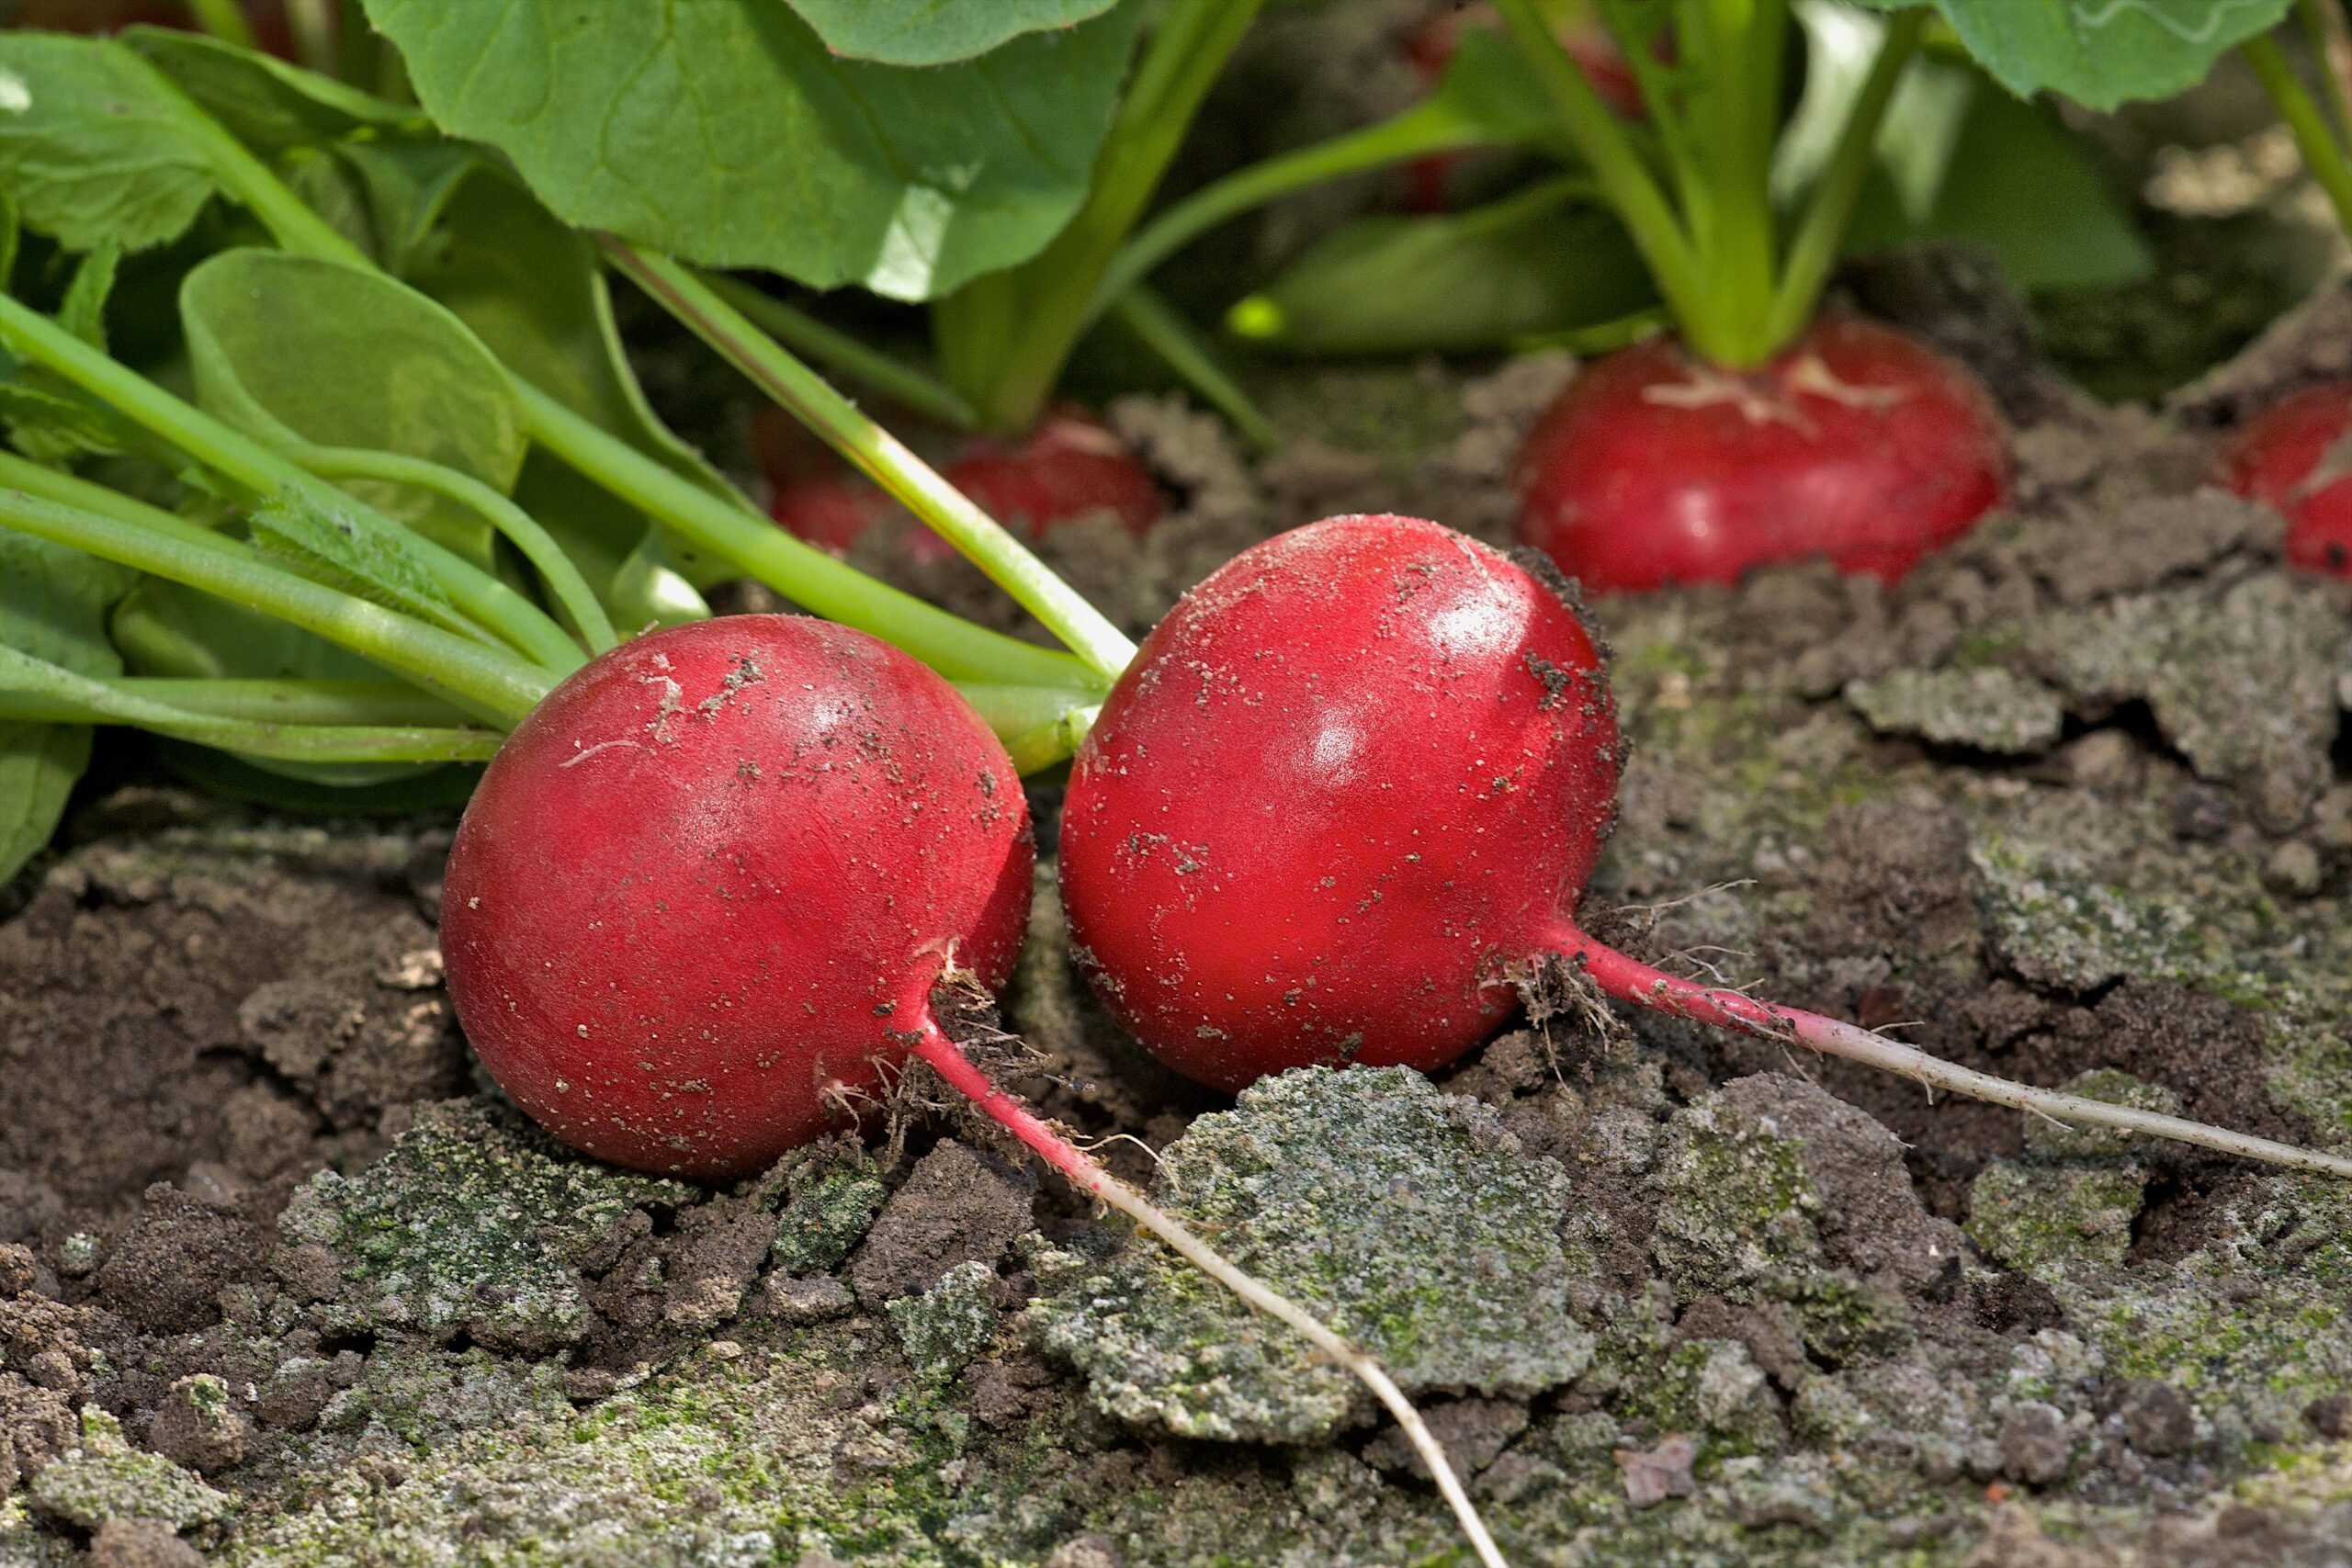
(2069,805)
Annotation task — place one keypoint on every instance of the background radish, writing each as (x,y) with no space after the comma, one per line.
(1856,443)
(1759,437)
(2282,455)
(1352,790)
(1071,466)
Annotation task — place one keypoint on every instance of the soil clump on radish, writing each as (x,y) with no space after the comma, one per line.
(2056,797)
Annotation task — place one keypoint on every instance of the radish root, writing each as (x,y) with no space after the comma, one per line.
(1630,980)
(939,1054)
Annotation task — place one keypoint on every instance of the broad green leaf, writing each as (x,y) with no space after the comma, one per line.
(726,132)
(932,32)
(93,147)
(266,103)
(83,312)
(332,546)
(408,186)
(2101,52)
(52,606)
(295,349)
(2076,232)
(1459,282)
(367,154)
(530,290)
(1953,154)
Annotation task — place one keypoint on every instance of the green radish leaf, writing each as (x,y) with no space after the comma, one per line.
(83,312)
(725,131)
(1459,282)
(270,104)
(408,187)
(530,289)
(1952,154)
(93,147)
(2101,52)
(53,607)
(933,33)
(332,546)
(2075,233)
(1489,84)
(295,349)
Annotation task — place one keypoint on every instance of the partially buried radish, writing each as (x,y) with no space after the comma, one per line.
(703,893)
(1857,443)
(1352,787)
(1071,467)
(700,900)
(2289,456)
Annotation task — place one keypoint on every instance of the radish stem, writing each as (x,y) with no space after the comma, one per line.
(37,690)
(380,705)
(878,371)
(1004,337)
(488,682)
(2322,156)
(1814,248)
(882,457)
(1158,326)
(1630,980)
(835,590)
(1431,126)
(939,1054)
(257,474)
(569,590)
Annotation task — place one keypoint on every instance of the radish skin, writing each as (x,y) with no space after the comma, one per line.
(698,904)
(1355,782)
(1857,443)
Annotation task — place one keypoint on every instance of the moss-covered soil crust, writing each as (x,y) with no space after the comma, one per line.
(282,1281)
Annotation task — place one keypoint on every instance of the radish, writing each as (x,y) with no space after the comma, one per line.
(1071,466)
(699,901)
(1759,434)
(1352,790)
(2282,455)
(1857,443)
(713,873)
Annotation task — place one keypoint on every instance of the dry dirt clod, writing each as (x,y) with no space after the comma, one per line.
(959,1205)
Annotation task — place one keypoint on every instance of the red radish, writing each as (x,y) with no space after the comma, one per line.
(1428,49)
(703,893)
(708,883)
(1071,467)
(1352,786)
(1857,443)
(2281,456)
(834,514)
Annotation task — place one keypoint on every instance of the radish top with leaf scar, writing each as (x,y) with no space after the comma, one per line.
(710,877)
